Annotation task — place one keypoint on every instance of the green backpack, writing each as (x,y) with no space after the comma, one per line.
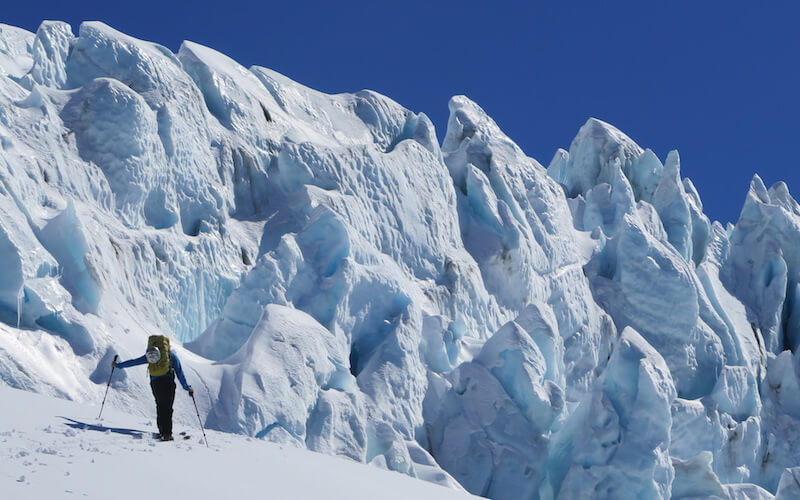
(162,367)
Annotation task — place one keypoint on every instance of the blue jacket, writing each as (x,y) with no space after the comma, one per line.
(174,363)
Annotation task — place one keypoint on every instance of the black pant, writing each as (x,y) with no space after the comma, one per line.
(164,392)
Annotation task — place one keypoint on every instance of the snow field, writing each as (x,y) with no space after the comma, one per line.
(51,448)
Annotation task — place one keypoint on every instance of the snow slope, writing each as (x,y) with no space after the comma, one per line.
(52,448)
(336,279)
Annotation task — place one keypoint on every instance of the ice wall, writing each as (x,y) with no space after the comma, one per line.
(341,281)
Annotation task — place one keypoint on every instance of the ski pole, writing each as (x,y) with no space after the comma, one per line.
(199,420)
(113,365)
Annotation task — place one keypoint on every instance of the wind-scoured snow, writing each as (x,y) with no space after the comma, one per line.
(336,279)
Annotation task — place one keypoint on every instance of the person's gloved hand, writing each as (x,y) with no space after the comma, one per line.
(191,391)
(114,363)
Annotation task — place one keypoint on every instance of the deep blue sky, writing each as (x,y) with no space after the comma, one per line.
(718,81)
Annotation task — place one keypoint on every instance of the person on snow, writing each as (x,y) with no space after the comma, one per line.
(162,365)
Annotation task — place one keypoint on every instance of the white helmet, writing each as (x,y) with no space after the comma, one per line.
(153,354)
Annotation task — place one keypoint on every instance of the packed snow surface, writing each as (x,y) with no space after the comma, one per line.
(52,448)
(337,279)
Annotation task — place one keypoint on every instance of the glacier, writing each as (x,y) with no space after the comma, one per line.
(338,279)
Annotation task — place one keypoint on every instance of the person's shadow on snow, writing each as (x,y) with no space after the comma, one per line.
(75,424)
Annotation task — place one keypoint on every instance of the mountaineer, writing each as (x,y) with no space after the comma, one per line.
(162,365)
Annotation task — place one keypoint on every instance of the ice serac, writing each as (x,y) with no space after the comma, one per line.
(762,272)
(517,225)
(780,417)
(334,279)
(115,129)
(681,212)
(349,233)
(649,225)
(490,430)
(594,155)
(763,269)
(622,277)
(616,443)
(50,51)
(607,175)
